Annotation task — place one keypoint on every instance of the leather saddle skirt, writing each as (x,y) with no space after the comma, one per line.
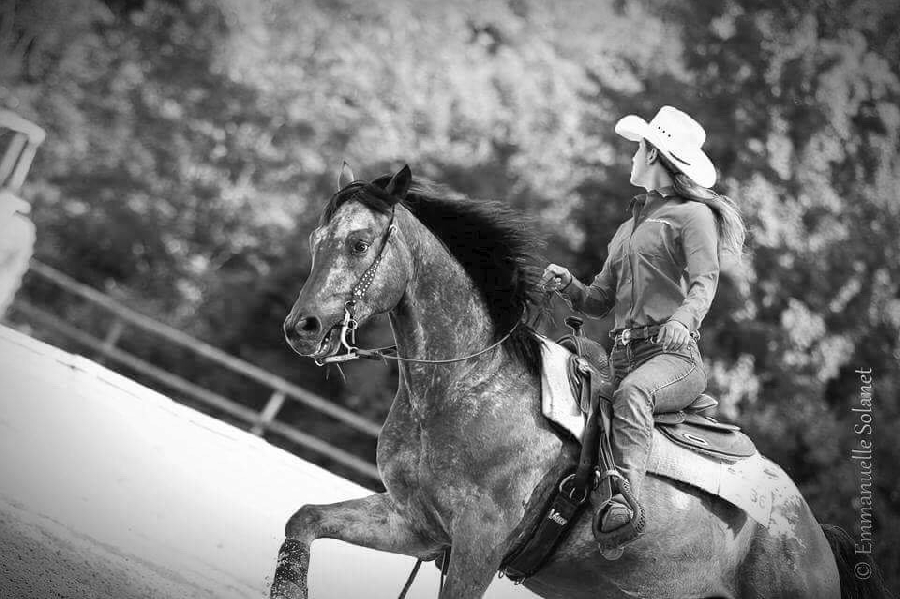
(705,434)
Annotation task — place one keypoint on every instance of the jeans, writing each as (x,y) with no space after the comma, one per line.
(648,380)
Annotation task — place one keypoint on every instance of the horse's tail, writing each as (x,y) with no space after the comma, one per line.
(860,577)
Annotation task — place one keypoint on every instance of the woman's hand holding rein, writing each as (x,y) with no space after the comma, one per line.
(556,278)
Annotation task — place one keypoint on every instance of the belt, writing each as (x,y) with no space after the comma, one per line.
(623,336)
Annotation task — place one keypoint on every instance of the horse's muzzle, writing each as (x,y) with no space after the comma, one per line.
(308,337)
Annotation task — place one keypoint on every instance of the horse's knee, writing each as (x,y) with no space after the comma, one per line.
(303,522)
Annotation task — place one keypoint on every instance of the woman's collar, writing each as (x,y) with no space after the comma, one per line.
(650,196)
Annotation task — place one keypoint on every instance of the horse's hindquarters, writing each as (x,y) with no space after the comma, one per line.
(791,560)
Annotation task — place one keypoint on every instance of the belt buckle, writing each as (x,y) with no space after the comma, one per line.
(625,336)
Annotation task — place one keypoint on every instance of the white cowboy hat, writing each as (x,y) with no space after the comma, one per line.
(678,136)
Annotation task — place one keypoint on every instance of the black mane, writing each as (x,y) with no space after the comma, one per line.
(496,246)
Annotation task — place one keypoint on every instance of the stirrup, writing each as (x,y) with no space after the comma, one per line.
(620,535)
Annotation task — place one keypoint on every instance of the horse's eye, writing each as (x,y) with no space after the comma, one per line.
(360,246)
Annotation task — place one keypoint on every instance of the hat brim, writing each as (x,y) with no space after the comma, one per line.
(693,163)
(632,128)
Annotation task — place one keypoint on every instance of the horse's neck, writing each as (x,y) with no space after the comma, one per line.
(441,316)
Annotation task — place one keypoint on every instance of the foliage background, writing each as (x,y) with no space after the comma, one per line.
(190,145)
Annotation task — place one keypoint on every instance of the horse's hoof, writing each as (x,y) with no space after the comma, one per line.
(286,590)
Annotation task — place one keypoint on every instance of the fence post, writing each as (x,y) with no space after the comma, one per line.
(112,338)
(269,412)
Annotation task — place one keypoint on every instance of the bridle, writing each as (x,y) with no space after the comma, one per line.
(349,325)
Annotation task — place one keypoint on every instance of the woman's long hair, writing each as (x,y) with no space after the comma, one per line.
(731,228)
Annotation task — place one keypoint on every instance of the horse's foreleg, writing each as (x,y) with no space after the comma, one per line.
(475,557)
(370,522)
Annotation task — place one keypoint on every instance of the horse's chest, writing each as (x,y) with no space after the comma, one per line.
(438,462)
(424,472)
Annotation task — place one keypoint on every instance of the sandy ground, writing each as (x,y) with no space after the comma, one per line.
(109,489)
(42,559)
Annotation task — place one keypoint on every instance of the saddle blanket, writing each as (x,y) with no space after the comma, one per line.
(753,484)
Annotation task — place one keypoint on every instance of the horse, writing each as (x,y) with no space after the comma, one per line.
(466,456)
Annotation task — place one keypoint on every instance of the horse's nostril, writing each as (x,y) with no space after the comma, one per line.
(308,324)
(304,325)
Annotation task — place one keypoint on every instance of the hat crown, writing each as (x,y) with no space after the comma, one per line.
(678,128)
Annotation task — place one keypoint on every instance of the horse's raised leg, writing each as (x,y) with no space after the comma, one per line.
(371,522)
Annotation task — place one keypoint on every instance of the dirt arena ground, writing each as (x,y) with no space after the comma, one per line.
(42,559)
(111,490)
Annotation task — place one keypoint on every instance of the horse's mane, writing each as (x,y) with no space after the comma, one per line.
(496,246)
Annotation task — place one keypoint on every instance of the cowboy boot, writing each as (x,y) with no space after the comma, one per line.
(616,514)
(632,432)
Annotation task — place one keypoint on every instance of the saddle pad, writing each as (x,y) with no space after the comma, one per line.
(754,484)
(721,442)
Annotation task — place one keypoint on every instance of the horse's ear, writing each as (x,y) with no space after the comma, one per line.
(399,183)
(345,177)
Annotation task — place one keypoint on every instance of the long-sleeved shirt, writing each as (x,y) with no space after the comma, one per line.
(662,265)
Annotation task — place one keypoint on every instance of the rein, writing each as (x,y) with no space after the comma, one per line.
(378,353)
(444,567)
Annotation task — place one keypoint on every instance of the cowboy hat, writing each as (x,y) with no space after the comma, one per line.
(679,138)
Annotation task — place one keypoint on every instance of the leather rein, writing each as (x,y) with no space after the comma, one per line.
(349,325)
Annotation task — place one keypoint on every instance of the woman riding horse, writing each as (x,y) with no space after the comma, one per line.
(466,456)
(675,235)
